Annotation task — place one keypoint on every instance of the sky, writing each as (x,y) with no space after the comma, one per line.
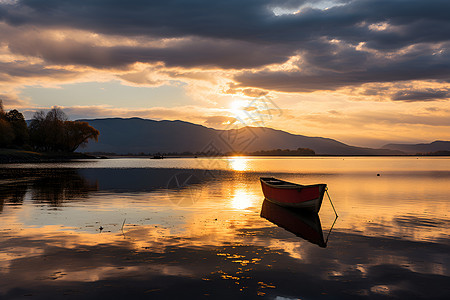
(364,72)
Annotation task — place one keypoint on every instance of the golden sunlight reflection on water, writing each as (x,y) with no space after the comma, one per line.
(239,163)
(241,199)
(305,165)
(211,230)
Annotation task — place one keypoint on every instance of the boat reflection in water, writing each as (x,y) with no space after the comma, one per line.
(303,223)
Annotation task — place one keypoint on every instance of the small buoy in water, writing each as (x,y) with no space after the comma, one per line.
(378,174)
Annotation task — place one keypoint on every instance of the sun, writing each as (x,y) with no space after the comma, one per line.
(238,105)
(238,108)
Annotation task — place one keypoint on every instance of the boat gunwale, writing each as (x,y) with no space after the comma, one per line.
(289,185)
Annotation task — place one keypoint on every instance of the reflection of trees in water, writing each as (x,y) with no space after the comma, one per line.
(12,194)
(13,187)
(50,186)
(58,186)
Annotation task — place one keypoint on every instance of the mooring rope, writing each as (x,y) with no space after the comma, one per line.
(331,228)
(329,198)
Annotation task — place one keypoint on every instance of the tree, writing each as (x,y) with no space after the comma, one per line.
(47,130)
(18,126)
(54,128)
(36,131)
(78,134)
(6,132)
(53,132)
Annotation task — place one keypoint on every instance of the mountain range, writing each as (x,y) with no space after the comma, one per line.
(420,148)
(136,135)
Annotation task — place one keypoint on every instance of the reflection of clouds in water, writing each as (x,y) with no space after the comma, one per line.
(105,273)
(150,252)
(222,241)
(381,289)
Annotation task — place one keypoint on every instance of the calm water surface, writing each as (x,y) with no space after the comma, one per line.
(192,228)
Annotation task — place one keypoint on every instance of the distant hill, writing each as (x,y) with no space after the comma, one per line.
(136,135)
(420,148)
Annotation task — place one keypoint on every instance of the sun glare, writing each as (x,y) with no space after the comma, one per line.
(241,199)
(238,109)
(238,105)
(238,163)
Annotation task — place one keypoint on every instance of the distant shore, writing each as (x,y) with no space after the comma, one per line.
(150,156)
(12,156)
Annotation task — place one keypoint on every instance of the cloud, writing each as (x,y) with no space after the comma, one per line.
(11,101)
(253,20)
(434,109)
(331,65)
(296,46)
(24,69)
(384,118)
(421,95)
(248,92)
(187,53)
(234,34)
(217,121)
(172,18)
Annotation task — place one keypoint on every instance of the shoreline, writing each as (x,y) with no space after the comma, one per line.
(274,156)
(15,156)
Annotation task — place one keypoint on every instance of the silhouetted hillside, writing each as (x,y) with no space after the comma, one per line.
(420,148)
(137,135)
(267,139)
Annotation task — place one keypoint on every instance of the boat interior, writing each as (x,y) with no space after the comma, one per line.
(274,181)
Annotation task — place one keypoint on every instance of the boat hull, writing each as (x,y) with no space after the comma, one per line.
(293,195)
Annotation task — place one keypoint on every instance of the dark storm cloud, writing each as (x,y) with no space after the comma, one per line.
(189,53)
(168,18)
(251,20)
(329,67)
(247,34)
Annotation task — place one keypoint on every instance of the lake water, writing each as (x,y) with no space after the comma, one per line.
(193,228)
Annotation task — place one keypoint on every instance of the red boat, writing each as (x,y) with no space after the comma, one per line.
(302,223)
(289,194)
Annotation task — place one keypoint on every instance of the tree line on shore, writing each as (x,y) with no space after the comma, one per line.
(275,152)
(284,152)
(46,132)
